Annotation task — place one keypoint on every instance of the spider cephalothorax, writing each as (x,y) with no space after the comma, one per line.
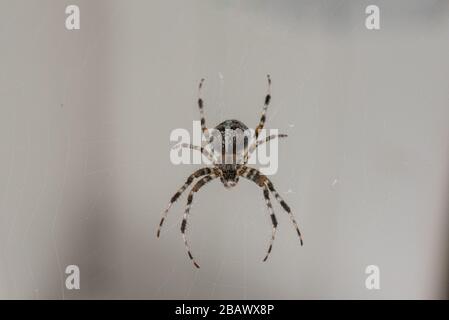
(230,166)
(229,174)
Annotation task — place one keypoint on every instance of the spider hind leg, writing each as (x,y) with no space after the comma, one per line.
(195,188)
(274,222)
(193,176)
(285,206)
(262,181)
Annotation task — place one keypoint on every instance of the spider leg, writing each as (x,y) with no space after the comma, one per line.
(204,129)
(266,195)
(262,117)
(195,188)
(203,150)
(196,174)
(257,143)
(201,107)
(262,180)
(285,207)
(265,107)
(212,134)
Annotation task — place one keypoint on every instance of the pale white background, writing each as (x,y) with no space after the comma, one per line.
(85,118)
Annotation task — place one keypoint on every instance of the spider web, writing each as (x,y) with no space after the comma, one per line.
(220,282)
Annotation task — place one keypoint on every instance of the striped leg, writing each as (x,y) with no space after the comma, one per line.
(274,221)
(262,181)
(205,130)
(285,206)
(201,107)
(214,135)
(265,107)
(195,188)
(262,117)
(257,143)
(198,148)
(196,174)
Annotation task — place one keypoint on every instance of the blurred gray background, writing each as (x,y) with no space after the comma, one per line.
(85,118)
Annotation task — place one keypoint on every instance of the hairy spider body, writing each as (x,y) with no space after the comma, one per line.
(229,170)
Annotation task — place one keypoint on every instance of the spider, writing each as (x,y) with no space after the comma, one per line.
(229,173)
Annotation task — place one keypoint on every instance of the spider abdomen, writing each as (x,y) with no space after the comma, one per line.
(231,124)
(230,137)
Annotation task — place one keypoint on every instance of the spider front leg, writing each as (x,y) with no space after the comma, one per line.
(195,188)
(199,173)
(265,107)
(262,181)
(201,108)
(257,143)
(262,119)
(209,137)
(203,150)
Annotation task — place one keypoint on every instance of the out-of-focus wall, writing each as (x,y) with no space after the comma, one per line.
(85,118)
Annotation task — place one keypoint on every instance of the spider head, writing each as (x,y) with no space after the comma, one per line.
(229,176)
